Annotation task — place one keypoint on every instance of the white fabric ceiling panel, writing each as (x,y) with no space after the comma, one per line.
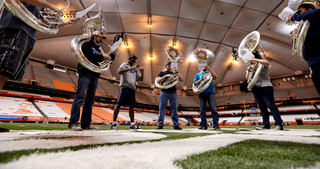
(113,22)
(234,37)
(222,13)
(248,19)
(164,25)
(274,29)
(166,7)
(62,52)
(75,5)
(135,7)
(275,50)
(207,45)
(135,23)
(212,32)
(235,2)
(221,62)
(274,71)
(236,72)
(185,46)
(107,5)
(189,28)
(261,5)
(298,65)
(195,9)
(278,10)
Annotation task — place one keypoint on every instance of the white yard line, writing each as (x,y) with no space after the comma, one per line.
(152,155)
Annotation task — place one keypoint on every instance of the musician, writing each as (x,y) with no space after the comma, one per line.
(168,94)
(87,84)
(208,95)
(311,12)
(263,94)
(17,40)
(129,75)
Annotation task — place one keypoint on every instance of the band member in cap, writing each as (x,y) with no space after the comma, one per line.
(129,75)
(17,40)
(168,94)
(88,81)
(207,95)
(311,12)
(263,94)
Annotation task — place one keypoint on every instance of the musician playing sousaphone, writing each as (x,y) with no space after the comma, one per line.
(17,39)
(203,85)
(87,83)
(262,89)
(310,12)
(170,75)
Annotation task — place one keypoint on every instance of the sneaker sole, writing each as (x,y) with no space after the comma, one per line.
(74,130)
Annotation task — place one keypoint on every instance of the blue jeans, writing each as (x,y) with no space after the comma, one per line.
(86,82)
(163,101)
(265,99)
(211,99)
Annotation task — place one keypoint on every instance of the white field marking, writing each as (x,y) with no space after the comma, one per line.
(151,154)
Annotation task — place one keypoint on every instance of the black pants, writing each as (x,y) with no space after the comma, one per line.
(316,75)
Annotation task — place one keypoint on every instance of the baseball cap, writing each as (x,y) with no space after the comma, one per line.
(168,63)
(99,34)
(133,56)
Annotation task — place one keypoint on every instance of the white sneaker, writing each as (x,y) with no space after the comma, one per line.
(135,126)
(114,126)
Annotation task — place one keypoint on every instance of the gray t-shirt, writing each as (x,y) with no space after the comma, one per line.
(264,79)
(128,79)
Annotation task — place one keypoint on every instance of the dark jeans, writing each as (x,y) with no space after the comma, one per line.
(316,75)
(265,99)
(163,101)
(211,99)
(86,82)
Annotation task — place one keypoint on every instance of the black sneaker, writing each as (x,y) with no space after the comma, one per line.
(177,128)
(217,128)
(159,128)
(91,127)
(278,127)
(4,130)
(135,126)
(203,128)
(75,127)
(114,127)
(263,127)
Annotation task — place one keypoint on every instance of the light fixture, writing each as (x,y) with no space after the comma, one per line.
(149,15)
(235,55)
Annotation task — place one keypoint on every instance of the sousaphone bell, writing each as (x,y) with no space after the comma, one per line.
(203,56)
(175,57)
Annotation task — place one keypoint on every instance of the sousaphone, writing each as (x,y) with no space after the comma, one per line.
(90,25)
(175,57)
(48,23)
(250,44)
(203,56)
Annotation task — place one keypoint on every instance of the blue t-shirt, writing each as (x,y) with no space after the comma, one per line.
(311,44)
(9,21)
(210,89)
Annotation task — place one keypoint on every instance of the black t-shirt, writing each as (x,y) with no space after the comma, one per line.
(161,74)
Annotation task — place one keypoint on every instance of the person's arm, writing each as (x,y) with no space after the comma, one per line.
(161,78)
(196,81)
(121,71)
(305,16)
(141,72)
(214,75)
(43,4)
(247,71)
(262,61)
(180,76)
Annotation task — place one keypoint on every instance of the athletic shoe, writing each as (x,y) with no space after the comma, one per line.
(263,127)
(114,127)
(4,130)
(203,128)
(177,128)
(217,128)
(75,127)
(159,128)
(91,127)
(135,126)
(278,127)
